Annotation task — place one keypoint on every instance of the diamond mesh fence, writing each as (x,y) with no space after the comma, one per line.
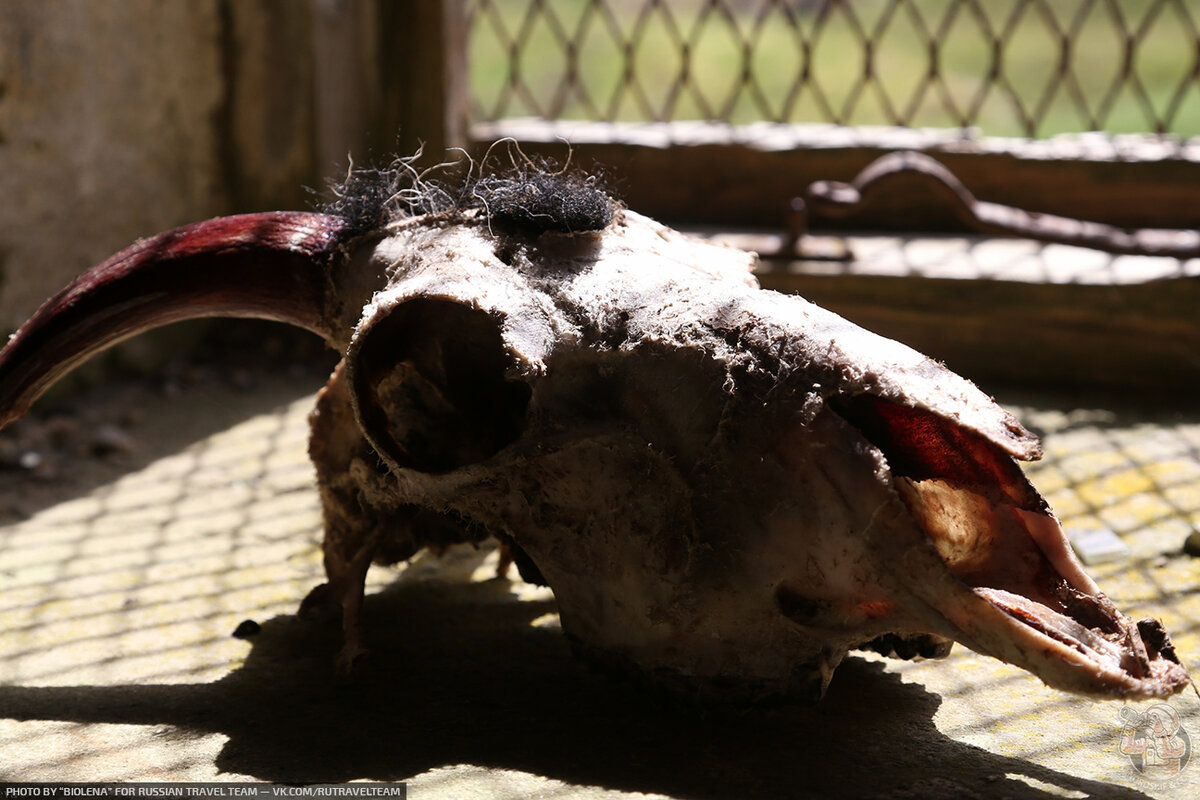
(1029,68)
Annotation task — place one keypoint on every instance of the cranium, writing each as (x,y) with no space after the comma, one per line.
(727,488)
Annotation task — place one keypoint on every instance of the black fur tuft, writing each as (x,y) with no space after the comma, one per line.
(532,199)
(361,198)
(370,197)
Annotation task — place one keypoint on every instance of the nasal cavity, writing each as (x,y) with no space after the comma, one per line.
(920,445)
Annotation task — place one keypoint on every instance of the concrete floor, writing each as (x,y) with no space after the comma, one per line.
(122,579)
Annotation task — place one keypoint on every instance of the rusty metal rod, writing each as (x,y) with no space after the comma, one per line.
(837,199)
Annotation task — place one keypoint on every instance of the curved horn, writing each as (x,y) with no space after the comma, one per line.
(270,266)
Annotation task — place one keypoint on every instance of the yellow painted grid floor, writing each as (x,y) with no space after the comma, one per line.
(119,591)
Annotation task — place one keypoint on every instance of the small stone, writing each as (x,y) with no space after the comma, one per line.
(30,460)
(1097,546)
(1191,545)
(109,439)
(246,628)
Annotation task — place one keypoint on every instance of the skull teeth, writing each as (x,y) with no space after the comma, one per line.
(1054,625)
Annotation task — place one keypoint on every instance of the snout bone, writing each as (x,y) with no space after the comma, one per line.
(726,488)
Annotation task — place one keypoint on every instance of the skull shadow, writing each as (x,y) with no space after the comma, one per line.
(459,674)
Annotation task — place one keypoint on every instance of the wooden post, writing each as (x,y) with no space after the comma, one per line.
(423,70)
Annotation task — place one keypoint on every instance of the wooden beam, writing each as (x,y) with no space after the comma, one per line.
(747,175)
(1144,338)
(1013,312)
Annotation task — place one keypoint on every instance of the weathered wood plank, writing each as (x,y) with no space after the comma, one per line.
(1130,337)
(746,175)
(1012,312)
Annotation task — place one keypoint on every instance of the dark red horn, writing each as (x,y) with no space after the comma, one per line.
(270,266)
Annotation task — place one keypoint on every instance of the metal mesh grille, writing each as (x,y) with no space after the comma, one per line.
(1008,67)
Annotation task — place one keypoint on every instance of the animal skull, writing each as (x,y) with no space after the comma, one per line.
(727,488)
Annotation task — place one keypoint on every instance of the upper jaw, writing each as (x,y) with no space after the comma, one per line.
(1026,599)
(980,559)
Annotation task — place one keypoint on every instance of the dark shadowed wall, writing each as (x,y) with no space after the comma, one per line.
(121,119)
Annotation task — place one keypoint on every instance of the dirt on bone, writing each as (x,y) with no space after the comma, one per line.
(1155,635)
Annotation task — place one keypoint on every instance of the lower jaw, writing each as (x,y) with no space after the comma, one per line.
(1066,654)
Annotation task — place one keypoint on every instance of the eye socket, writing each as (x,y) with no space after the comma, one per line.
(430,386)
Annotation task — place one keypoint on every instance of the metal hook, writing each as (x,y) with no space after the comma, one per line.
(838,199)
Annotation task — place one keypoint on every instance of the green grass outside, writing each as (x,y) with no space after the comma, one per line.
(1164,63)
